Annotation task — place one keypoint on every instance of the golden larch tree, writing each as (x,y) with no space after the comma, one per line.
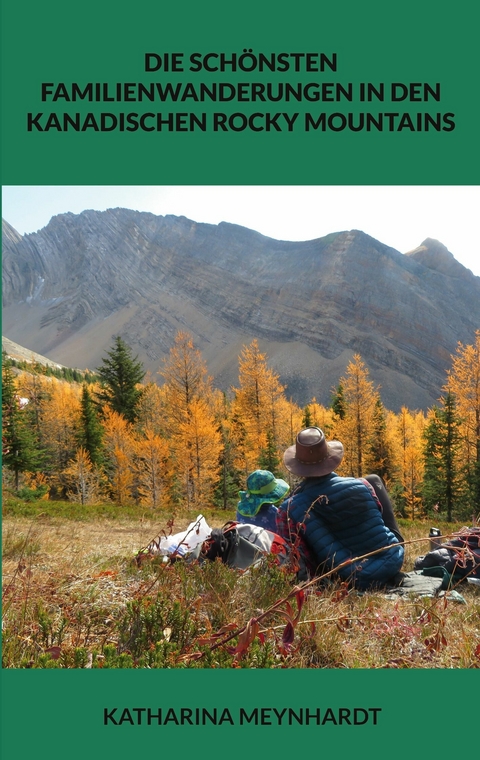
(151,410)
(258,405)
(317,415)
(119,452)
(360,398)
(198,448)
(406,433)
(83,480)
(463,381)
(152,469)
(192,424)
(185,379)
(59,419)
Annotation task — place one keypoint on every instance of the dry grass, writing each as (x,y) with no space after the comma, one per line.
(66,570)
(72,597)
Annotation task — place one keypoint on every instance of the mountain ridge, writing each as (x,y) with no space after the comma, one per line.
(83,278)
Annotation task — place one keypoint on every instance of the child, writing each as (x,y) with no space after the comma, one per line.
(257,503)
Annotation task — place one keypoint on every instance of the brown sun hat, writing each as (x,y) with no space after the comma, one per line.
(312,455)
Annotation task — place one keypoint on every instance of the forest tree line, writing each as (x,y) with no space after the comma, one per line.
(122,437)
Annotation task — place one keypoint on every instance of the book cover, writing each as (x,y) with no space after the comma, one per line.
(392,103)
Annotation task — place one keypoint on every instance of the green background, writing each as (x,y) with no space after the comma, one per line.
(53,713)
(105,41)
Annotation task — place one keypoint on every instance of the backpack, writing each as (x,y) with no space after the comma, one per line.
(242,545)
(460,555)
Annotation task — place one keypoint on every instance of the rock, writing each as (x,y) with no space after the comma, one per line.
(70,287)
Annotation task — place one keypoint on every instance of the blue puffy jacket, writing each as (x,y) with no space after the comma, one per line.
(342,520)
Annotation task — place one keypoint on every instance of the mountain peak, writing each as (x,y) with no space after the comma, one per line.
(434,255)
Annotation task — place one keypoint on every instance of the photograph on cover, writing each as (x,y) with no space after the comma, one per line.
(240,427)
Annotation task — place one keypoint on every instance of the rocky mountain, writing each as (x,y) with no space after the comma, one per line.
(22,354)
(70,287)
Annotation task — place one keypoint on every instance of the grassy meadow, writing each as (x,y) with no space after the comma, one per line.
(74,598)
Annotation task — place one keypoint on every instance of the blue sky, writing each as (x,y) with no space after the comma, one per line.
(399,216)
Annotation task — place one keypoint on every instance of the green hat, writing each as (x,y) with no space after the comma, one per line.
(263,488)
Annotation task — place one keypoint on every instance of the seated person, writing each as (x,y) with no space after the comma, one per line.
(339,518)
(257,503)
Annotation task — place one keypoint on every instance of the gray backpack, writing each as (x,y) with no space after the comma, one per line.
(242,545)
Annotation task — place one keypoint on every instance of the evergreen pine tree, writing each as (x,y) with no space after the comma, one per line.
(90,432)
(398,497)
(230,480)
(119,375)
(379,459)
(338,404)
(452,440)
(307,418)
(269,459)
(432,488)
(441,477)
(20,448)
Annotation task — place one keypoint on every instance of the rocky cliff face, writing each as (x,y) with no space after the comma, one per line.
(69,288)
